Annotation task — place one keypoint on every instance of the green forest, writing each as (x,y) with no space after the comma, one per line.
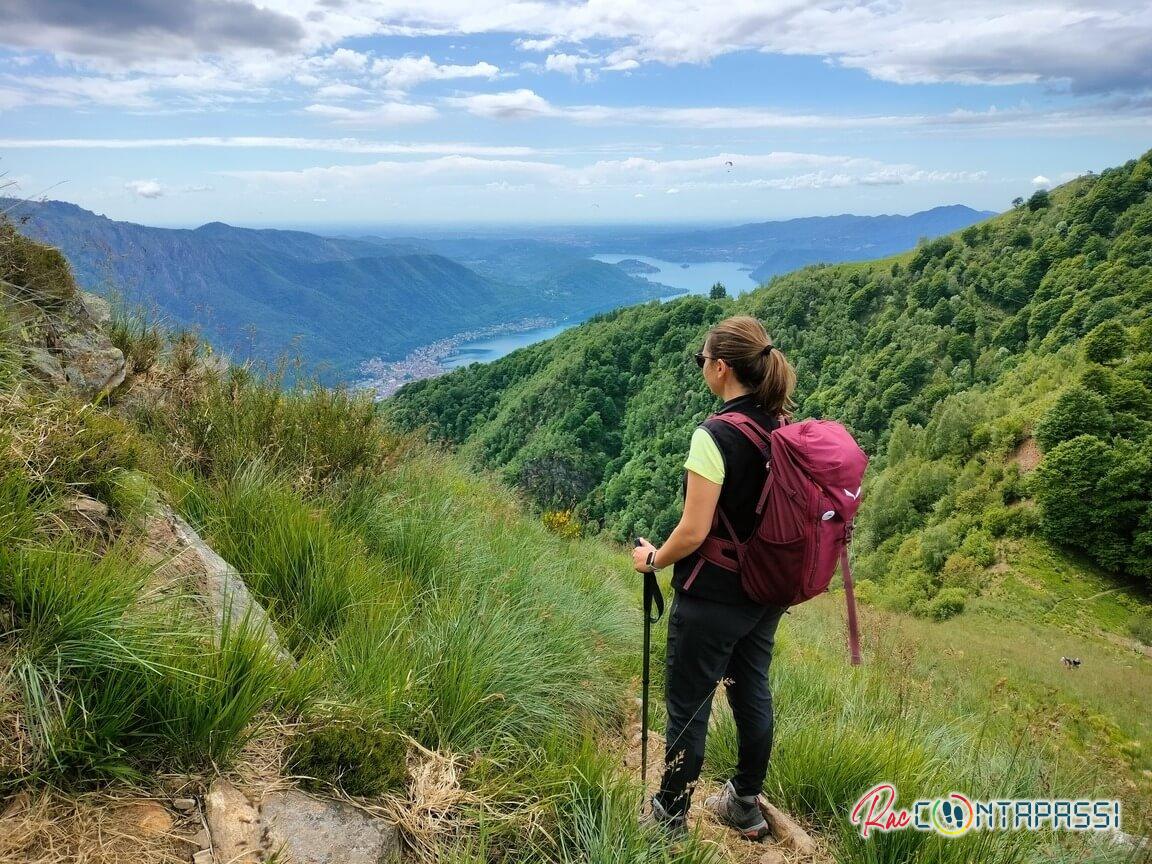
(999,379)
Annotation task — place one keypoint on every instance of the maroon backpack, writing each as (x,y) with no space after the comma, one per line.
(803,517)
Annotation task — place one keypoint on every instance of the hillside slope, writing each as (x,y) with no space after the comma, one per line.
(1000,379)
(459,673)
(333,302)
(881,346)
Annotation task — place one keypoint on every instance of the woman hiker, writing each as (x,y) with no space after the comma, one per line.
(716,634)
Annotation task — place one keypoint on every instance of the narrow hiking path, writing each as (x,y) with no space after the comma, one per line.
(790,843)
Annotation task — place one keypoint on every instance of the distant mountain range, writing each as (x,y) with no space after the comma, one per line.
(337,301)
(333,302)
(772,248)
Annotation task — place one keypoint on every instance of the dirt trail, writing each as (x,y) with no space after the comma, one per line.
(733,848)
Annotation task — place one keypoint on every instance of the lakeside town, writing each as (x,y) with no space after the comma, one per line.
(385,377)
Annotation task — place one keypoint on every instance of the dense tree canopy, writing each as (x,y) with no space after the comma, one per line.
(944,362)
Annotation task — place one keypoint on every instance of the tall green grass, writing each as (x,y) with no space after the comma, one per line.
(420,601)
(840,730)
(111,681)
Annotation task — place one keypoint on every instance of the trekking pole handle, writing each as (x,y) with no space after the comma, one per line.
(652,593)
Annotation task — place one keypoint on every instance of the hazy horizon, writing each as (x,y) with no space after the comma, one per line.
(400,229)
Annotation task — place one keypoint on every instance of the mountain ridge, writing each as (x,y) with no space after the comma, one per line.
(265,293)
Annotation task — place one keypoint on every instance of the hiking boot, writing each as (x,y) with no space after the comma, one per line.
(741,813)
(675,827)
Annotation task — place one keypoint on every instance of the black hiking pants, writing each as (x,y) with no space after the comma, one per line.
(711,642)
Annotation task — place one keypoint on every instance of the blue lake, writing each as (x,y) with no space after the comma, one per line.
(697,278)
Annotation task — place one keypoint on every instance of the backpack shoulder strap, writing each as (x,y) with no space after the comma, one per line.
(751,430)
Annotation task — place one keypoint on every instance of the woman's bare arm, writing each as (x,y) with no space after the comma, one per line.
(700,502)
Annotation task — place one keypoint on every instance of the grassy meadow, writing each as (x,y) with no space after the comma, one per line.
(455,660)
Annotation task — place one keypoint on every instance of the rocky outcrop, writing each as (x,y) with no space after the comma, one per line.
(301,828)
(185,558)
(63,343)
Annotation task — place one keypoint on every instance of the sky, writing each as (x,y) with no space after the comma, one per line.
(450,112)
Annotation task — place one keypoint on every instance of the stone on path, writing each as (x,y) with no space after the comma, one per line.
(306,829)
(186,556)
(315,831)
(786,830)
(234,823)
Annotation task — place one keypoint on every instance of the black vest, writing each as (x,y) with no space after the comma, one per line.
(744,476)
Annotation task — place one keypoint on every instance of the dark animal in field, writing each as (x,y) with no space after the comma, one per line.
(1070,662)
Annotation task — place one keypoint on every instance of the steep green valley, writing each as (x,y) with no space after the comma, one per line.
(215,586)
(1000,380)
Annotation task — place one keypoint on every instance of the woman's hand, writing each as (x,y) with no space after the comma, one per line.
(640,555)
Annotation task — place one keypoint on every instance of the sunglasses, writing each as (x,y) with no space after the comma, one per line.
(701,357)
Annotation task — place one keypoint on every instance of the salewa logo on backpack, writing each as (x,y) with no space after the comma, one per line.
(803,523)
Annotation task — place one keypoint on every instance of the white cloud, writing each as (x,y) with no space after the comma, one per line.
(342,59)
(337,145)
(1089,117)
(387,114)
(403,73)
(568,64)
(537,44)
(514,104)
(340,91)
(1040,181)
(635,176)
(621,66)
(1086,44)
(67,91)
(145,188)
(446,169)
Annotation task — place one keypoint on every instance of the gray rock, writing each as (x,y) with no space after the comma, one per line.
(302,829)
(99,309)
(92,365)
(188,556)
(82,513)
(321,831)
(63,343)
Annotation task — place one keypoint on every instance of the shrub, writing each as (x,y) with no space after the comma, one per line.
(361,758)
(1017,520)
(1140,626)
(561,522)
(947,604)
(962,572)
(977,545)
(38,273)
(138,340)
(936,544)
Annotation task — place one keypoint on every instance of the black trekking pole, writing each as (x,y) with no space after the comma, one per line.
(652,596)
